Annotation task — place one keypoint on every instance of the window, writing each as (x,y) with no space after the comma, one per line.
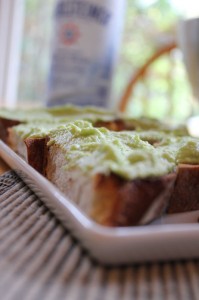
(11,24)
(25,42)
(25,29)
(35,51)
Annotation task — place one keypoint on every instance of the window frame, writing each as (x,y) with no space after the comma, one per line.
(11,33)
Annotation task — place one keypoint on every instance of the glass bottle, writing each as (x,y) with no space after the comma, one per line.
(85,44)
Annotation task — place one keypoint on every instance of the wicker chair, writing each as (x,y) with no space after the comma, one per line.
(141,73)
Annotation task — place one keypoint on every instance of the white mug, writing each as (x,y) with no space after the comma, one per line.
(188,38)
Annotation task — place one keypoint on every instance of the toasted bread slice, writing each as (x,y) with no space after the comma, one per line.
(98,117)
(56,115)
(109,199)
(4,125)
(109,196)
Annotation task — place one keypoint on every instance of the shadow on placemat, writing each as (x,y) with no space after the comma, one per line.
(40,260)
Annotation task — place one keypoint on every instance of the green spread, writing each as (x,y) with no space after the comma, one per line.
(24,115)
(63,114)
(77,110)
(144,123)
(126,154)
(189,153)
(57,114)
(34,130)
(152,149)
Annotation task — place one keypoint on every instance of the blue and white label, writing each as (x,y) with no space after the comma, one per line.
(84,51)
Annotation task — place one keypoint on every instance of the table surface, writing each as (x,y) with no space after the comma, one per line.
(40,260)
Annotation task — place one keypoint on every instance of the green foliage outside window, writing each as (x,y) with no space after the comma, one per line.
(146,28)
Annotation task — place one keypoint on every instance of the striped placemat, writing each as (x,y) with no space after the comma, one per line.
(40,260)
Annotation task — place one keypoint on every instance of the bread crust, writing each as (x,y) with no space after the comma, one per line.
(37,153)
(133,202)
(185,196)
(4,125)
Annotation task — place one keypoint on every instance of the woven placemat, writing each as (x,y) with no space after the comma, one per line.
(40,260)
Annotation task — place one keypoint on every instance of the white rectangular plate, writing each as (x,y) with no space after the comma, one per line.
(169,238)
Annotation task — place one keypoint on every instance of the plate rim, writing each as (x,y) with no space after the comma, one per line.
(85,229)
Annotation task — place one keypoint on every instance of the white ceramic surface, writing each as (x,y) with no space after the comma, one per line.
(169,238)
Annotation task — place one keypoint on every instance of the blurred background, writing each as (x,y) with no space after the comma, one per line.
(161,91)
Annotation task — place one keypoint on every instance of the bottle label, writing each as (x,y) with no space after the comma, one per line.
(84,51)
